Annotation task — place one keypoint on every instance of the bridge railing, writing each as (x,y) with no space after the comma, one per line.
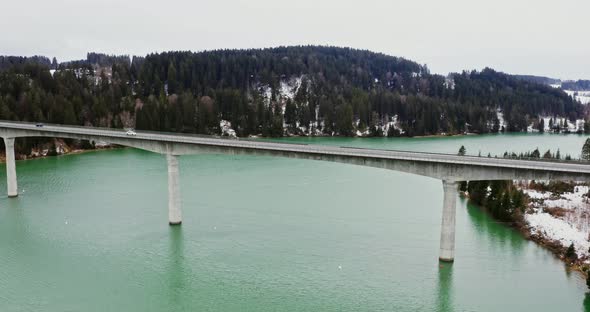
(551,160)
(114,130)
(119,132)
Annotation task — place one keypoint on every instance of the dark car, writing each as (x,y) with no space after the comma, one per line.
(39,125)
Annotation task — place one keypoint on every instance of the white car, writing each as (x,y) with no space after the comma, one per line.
(130,132)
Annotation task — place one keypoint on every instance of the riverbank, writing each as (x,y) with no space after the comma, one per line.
(556,216)
(59,147)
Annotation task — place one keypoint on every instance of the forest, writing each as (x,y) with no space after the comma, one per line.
(331,91)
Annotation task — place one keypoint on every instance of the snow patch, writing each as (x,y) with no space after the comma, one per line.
(450,83)
(581,96)
(557,229)
(286,89)
(226,129)
(571,226)
(393,122)
(501,121)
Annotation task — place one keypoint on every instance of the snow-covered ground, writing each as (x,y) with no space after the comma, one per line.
(286,90)
(572,126)
(501,120)
(226,129)
(570,224)
(582,96)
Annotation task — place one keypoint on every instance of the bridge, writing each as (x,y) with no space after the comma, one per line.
(449,168)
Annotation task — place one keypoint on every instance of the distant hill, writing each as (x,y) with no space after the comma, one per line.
(8,62)
(306,90)
(579,85)
(538,79)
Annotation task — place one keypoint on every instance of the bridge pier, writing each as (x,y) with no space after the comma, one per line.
(174,212)
(447,231)
(10,168)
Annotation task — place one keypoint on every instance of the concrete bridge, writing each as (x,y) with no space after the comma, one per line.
(449,168)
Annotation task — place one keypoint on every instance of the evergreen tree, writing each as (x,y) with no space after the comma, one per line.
(586,150)
(290,113)
(344,120)
(172,81)
(570,253)
(462,151)
(547,155)
(463,186)
(52,150)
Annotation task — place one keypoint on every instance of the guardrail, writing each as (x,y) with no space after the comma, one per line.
(285,146)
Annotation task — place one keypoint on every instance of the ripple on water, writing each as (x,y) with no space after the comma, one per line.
(258,234)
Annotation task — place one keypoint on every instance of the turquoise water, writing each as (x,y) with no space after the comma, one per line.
(89,232)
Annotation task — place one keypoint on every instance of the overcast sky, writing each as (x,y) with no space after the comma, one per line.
(539,37)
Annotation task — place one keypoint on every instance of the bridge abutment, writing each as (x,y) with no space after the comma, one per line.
(10,168)
(174,209)
(447,231)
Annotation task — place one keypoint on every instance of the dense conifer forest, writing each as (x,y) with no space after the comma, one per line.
(301,90)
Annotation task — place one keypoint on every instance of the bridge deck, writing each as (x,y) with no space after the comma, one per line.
(106,133)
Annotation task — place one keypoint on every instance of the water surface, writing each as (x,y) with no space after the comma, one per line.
(89,233)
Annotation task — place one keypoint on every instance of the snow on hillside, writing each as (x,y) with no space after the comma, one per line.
(564,218)
(286,90)
(393,123)
(501,120)
(226,129)
(571,126)
(582,96)
(450,82)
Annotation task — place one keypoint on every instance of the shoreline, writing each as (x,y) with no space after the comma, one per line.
(411,137)
(556,249)
(72,152)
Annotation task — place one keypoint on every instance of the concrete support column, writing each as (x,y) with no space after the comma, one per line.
(174,213)
(10,168)
(447,231)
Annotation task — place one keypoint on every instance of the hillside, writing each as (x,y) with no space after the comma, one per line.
(303,90)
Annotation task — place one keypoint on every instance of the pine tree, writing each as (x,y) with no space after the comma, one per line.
(290,113)
(463,186)
(462,151)
(172,81)
(52,150)
(547,155)
(570,253)
(586,150)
